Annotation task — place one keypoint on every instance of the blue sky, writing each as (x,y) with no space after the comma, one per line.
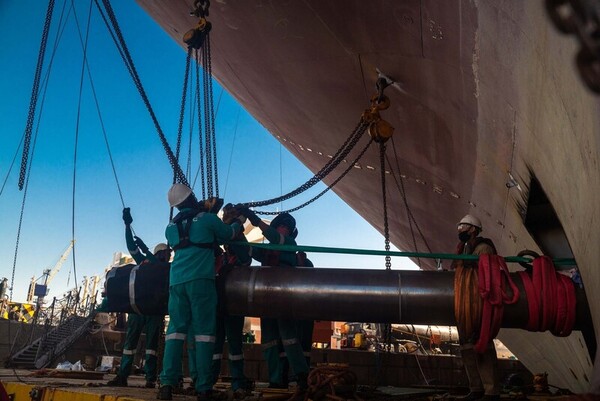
(259,167)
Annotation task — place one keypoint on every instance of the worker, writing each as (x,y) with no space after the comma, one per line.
(192,295)
(304,327)
(282,230)
(151,325)
(228,326)
(482,369)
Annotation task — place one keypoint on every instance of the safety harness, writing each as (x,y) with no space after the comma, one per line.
(184,221)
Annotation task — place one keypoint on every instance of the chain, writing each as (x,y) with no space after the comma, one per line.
(386,228)
(581,18)
(178,173)
(326,189)
(211,112)
(200,8)
(339,156)
(201,139)
(207,127)
(34,94)
(182,108)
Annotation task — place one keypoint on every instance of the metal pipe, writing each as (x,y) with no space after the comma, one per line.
(377,296)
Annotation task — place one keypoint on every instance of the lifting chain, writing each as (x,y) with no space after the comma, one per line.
(34,94)
(336,159)
(350,167)
(386,227)
(581,18)
(200,8)
(126,56)
(182,108)
(379,129)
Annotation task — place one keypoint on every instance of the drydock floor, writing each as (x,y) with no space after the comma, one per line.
(25,385)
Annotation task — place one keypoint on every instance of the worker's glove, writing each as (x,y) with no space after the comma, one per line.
(213,204)
(230,213)
(246,212)
(140,244)
(127,219)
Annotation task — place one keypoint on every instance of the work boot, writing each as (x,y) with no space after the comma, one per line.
(211,395)
(165,393)
(301,387)
(241,393)
(150,384)
(487,364)
(488,397)
(469,359)
(472,396)
(118,381)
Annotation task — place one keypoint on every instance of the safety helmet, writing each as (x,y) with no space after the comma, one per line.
(160,247)
(284,219)
(471,220)
(177,194)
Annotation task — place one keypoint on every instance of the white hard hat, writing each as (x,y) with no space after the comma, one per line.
(471,220)
(178,193)
(160,247)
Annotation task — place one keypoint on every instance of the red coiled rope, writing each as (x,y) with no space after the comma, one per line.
(551,299)
(492,291)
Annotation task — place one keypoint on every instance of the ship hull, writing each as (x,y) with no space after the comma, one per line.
(489,113)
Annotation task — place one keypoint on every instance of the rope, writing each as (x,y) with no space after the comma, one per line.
(402,189)
(83,65)
(12,164)
(35,92)
(237,120)
(551,298)
(353,251)
(336,383)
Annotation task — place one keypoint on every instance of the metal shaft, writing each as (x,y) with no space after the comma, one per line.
(378,296)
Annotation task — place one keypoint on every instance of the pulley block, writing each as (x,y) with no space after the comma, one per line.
(379,129)
(195,38)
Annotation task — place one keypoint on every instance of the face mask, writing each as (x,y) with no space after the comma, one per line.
(464,236)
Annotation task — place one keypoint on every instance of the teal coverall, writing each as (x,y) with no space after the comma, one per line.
(231,327)
(272,330)
(151,325)
(192,294)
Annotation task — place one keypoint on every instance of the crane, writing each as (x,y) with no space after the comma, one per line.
(40,290)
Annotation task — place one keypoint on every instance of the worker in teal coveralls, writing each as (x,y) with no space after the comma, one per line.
(151,325)
(281,231)
(192,294)
(231,327)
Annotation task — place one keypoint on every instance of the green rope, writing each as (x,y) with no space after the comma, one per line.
(350,251)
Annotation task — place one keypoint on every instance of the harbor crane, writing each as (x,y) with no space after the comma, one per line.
(41,290)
